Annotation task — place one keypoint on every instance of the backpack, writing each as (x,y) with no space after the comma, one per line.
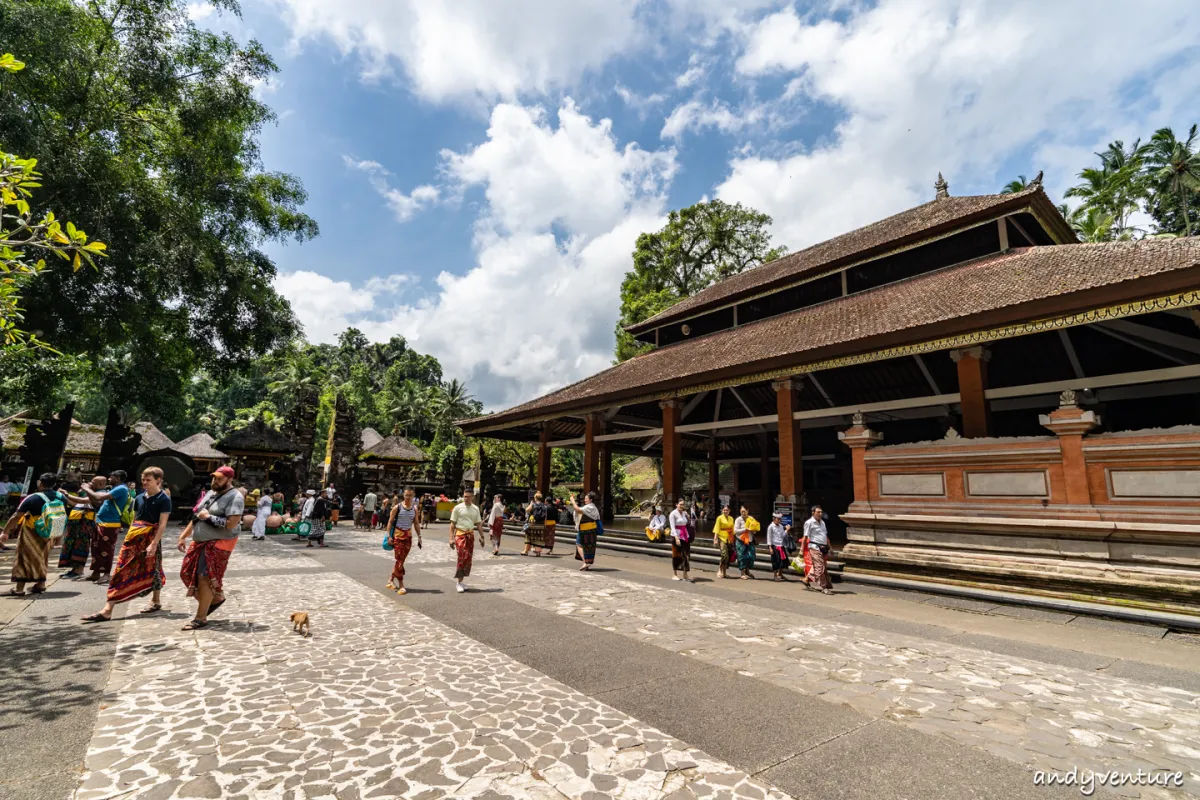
(539,513)
(127,512)
(53,521)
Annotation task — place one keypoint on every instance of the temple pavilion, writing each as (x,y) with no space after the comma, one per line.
(973,396)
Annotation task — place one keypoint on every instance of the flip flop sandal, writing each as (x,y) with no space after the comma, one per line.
(215,606)
(14,593)
(195,625)
(36,590)
(150,609)
(97,618)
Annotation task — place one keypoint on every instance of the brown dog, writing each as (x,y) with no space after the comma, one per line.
(300,623)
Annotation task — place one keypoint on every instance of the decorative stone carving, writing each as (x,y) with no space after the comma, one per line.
(1037,181)
(858,419)
(1067,399)
(952,435)
(943,188)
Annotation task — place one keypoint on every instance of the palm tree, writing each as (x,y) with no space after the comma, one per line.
(1092,224)
(1175,165)
(1020,184)
(291,385)
(411,407)
(1117,187)
(451,402)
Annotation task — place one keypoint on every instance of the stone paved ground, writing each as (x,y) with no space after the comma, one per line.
(380,702)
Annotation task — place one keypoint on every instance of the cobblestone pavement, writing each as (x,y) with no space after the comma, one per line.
(1046,716)
(381,701)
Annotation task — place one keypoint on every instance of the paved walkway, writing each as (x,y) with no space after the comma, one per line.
(544,682)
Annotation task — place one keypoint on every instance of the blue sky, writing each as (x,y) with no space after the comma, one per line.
(480,169)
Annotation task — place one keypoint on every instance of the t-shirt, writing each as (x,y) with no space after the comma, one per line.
(776,535)
(229,504)
(369,501)
(815,531)
(150,508)
(465,517)
(110,509)
(33,504)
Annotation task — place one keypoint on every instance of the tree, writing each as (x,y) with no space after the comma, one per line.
(698,246)
(1175,167)
(146,129)
(1115,190)
(1019,184)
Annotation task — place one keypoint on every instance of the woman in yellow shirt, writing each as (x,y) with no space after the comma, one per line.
(723,538)
(744,528)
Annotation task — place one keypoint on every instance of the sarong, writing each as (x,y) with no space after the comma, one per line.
(206,560)
(104,545)
(548,535)
(535,535)
(316,533)
(681,554)
(497,532)
(32,552)
(819,576)
(401,545)
(586,543)
(727,553)
(779,558)
(745,554)
(335,515)
(464,544)
(138,570)
(77,540)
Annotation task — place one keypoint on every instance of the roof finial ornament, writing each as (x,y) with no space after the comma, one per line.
(943,188)
(1037,181)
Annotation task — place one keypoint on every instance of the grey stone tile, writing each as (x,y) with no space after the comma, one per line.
(1036,652)
(962,604)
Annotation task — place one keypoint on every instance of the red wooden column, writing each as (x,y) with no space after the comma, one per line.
(1070,422)
(543,462)
(972,383)
(791,476)
(858,438)
(591,454)
(672,444)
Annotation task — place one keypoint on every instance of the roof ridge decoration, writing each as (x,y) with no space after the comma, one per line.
(942,188)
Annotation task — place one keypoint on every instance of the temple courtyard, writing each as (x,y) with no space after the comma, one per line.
(544,682)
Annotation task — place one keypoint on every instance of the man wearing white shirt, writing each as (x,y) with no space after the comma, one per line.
(817,539)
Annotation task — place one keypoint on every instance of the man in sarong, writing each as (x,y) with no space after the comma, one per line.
(466,522)
(403,522)
(816,538)
(139,568)
(587,521)
(110,531)
(81,529)
(214,531)
(33,545)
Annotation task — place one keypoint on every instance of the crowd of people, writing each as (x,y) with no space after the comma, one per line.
(120,524)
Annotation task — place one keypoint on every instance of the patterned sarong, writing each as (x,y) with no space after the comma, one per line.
(464,544)
(745,554)
(32,552)
(819,576)
(585,542)
(104,544)
(138,570)
(77,540)
(497,532)
(727,554)
(206,560)
(548,535)
(779,558)
(535,535)
(401,546)
(681,554)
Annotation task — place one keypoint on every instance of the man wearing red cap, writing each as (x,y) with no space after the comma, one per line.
(214,530)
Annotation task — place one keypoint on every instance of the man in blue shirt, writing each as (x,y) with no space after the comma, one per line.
(108,523)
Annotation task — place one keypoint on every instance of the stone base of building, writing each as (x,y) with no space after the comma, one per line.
(1144,565)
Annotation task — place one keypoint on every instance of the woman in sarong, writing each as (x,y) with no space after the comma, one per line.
(81,529)
(495,523)
(139,564)
(744,528)
(723,538)
(403,522)
(587,521)
(681,542)
(536,514)
(33,541)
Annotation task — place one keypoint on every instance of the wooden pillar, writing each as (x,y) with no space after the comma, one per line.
(858,438)
(972,383)
(543,462)
(591,454)
(672,444)
(764,466)
(791,475)
(1069,422)
(606,498)
(714,474)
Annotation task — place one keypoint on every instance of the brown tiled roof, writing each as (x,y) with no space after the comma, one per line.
(200,445)
(394,448)
(905,228)
(1021,285)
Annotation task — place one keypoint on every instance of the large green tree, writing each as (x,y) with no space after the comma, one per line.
(145,129)
(698,246)
(1175,170)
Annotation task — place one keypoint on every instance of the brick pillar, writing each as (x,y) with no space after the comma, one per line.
(791,475)
(543,462)
(858,438)
(714,484)
(672,444)
(606,498)
(972,383)
(1069,422)
(591,454)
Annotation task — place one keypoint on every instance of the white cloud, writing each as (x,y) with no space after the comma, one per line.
(957,86)
(565,203)
(200,11)
(467,49)
(388,284)
(695,116)
(638,102)
(403,206)
(693,73)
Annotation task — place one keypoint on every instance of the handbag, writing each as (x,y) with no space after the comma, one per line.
(789,543)
(387,542)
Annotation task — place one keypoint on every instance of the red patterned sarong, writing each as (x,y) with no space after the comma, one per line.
(104,544)
(138,571)
(401,545)
(464,544)
(497,531)
(206,560)
(77,541)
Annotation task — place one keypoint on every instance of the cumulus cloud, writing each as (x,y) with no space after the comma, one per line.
(696,116)
(564,204)
(403,206)
(956,86)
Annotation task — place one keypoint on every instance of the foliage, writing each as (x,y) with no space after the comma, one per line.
(146,129)
(1175,169)
(699,245)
